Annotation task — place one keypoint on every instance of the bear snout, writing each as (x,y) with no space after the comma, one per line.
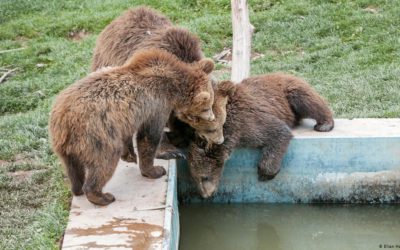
(208,116)
(220,140)
(207,188)
(211,116)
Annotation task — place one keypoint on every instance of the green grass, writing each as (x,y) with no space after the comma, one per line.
(350,54)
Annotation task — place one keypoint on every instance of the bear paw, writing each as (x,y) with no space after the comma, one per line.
(324,127)
(101,199)
(266,175)
(155,172)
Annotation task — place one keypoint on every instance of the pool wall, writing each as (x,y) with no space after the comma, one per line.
(358,163)
(171,218)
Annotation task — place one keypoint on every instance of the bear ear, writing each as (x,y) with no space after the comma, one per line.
(202,97)
(226,88)
(207,65)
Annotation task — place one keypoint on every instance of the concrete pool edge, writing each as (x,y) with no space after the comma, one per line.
(358,162)
(171,217)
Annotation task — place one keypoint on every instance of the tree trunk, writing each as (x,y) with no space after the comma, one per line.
(242,31)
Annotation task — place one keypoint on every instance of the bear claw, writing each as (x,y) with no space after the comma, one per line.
(265,175)
(324,127)
(168,155)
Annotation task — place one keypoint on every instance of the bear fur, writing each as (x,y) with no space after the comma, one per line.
(92,119)
(181,134)
(259,114)
(143,28)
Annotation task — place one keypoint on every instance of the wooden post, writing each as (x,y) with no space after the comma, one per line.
(242,31)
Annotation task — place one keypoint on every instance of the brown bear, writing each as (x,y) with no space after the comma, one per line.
(93,118)
(260,112)
(142,28)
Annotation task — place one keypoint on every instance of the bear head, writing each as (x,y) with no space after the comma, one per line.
(206,156)
(205,166)
(212,131)
(199,106)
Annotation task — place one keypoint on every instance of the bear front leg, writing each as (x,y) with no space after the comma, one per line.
(148,138)
(269,165)
(276,141)
(129,151)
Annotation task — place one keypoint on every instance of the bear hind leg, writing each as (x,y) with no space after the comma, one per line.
(96,178)
(306,103)
(76,173)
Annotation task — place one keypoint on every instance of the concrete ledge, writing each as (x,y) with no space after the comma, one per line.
(144,215)
(359,161)
(171,217)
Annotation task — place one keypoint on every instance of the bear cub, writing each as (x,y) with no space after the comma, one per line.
(92,119)
(144,28)
(259,114)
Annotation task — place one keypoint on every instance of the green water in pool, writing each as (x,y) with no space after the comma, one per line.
(278,226)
